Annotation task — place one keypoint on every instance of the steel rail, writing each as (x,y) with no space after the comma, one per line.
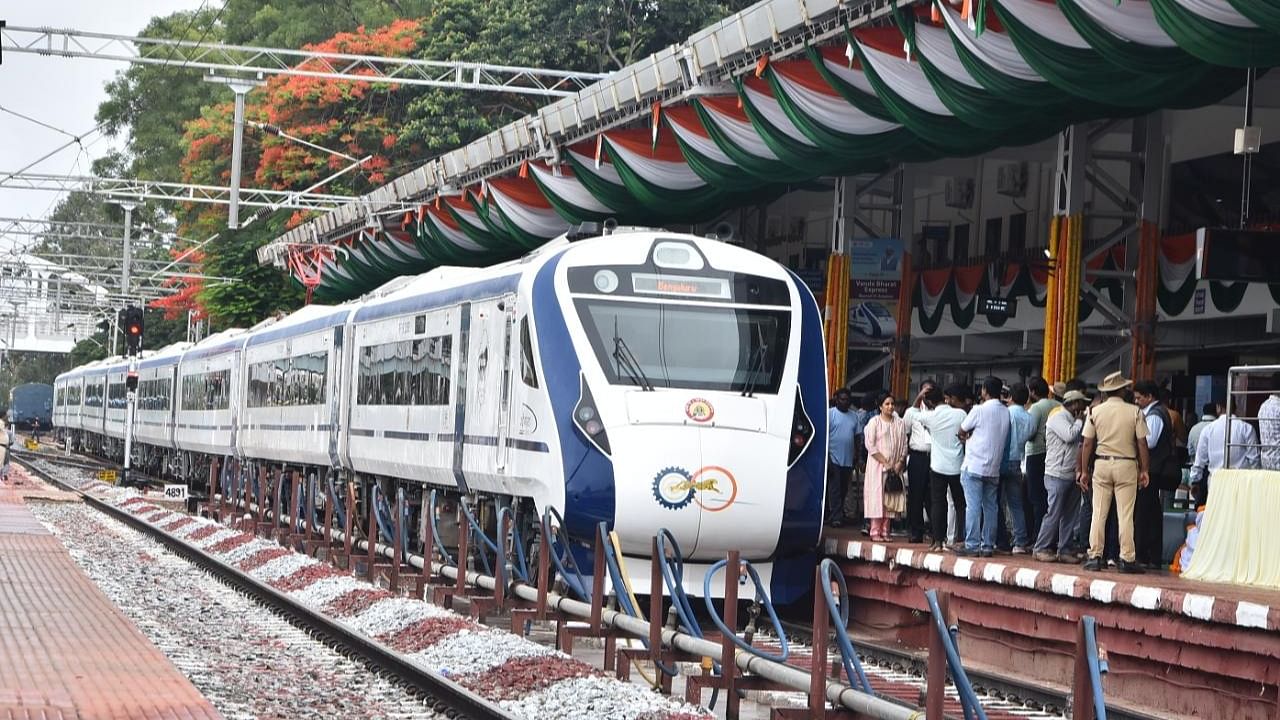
(444,695)
(841,695)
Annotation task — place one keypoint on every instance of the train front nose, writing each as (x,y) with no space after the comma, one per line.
(715,487)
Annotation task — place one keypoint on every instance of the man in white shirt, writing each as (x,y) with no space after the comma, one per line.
(1269,426)
(945,458)
(1208,414)
(918,444)
(1063,428)
(985,433)
(1211,452)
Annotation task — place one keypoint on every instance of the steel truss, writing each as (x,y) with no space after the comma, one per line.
(121,188)
(706,62)
(258,61)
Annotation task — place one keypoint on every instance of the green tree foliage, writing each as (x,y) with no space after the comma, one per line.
(30,367)
(259,290)
(180,127)
(151,103)
(294,23)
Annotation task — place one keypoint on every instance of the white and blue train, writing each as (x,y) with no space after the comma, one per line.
(643,378)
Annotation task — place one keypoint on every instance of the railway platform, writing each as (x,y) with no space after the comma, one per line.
(1176,647)
(65,650)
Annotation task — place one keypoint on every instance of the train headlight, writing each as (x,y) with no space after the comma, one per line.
(801,432)
(606,281)
(671,254)
(587,419)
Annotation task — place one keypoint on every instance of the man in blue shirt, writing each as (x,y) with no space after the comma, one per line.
(1012,482)
(843,425)
(985,434)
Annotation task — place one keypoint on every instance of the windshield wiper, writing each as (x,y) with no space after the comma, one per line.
(626,360)
(757,366)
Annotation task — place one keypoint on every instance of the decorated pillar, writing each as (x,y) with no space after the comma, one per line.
(1149,176)
(1065,238)
(836,305)
(836,319)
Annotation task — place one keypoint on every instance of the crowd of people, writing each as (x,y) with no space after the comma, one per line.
(1062,472)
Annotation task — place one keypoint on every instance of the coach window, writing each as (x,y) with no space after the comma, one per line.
(528,369)
(408,372)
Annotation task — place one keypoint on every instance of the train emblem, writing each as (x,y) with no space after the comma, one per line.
(713,488)
(699,410)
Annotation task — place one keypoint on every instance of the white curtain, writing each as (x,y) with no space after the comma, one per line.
(994,49)
(906,79)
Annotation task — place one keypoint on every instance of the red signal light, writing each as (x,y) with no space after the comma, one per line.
(135,330)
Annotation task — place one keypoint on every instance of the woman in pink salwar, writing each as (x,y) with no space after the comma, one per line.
(886,438)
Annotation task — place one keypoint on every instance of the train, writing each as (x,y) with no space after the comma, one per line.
(31,402)
(637,377)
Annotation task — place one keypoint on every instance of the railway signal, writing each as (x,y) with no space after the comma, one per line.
(131,323)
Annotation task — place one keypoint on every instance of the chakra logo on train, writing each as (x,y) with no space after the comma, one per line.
(699,410)
(673,488)
(713,488)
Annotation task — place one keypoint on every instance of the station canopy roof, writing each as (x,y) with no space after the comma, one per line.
(935,81)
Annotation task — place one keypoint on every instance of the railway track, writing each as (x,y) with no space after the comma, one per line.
(1038,700)
(1026,699)
(445,697)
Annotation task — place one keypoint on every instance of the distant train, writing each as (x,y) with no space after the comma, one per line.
(30,402)
(642,378)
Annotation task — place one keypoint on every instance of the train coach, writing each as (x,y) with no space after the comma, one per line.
(31,402)
(642,378)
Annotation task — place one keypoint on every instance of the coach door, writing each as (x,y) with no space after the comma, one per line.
(507,316)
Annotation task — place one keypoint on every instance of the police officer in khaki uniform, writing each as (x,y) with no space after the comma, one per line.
(1115,434)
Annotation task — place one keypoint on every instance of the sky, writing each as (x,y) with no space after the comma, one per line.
(62,92)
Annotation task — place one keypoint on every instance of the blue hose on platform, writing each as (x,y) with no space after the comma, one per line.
(435,533)
(620,590)
(968,698)
(673,577)
(476,531)
(576,584)
(297,512)
(338,509)
(853,671)
(1097,666)
(521,567)
(761,597)
(382,514)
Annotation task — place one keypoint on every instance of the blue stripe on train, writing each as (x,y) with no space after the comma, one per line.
(806,480)
(588,473)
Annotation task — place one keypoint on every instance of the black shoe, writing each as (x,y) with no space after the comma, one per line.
(1094,565)
(835,523)
(1130,568)
(916,540)
(985,553)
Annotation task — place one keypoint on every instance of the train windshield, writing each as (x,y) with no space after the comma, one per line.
(688,346)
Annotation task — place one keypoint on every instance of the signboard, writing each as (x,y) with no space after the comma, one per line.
(875,268)
(998,308)
(875,275)
(176,493)
(108,476)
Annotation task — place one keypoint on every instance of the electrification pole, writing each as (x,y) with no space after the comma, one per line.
(131,380)
(131,377)
(240,86)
